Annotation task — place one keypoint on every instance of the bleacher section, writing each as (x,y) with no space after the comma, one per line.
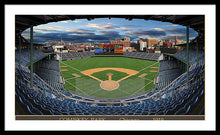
(192,55)
(168,71)
(75,55)
(25,56)
(49,71)
(142,55)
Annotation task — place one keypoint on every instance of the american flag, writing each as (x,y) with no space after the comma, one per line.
(62,41)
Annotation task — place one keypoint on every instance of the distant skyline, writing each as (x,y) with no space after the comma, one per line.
(105,29)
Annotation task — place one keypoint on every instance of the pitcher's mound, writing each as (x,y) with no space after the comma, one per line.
(109,85)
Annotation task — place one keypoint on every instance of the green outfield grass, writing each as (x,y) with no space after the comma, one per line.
(87,86)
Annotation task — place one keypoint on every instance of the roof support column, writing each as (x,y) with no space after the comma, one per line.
(31,55)
(197,51)
(19,46)
(187,53)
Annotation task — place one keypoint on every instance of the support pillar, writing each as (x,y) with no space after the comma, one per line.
(197,51)
(187,53)
(31,55)
(19,46)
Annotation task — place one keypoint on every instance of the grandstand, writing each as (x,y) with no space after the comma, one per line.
(142,55)
(25,57)
(179,90)
(75,55)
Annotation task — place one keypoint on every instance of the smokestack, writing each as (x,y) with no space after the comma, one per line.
(175,40)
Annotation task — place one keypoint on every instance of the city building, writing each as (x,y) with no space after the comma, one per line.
(160,43)
(179,41)
(58,48)
(129,49)
(151,42)
(125,42)
(142,43)
(168,43)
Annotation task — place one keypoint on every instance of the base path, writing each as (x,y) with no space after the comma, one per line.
(142,75)
(154,67)
(76,75)
(64,70)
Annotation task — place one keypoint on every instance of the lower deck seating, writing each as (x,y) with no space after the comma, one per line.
(25,56)
(142,55)
(49,71)
(75,55)
(168,71)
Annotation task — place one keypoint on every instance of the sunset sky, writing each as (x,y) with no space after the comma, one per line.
(105,29)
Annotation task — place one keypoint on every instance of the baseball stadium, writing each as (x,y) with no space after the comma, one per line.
(109,80)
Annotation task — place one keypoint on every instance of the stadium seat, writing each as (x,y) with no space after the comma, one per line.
(34,111)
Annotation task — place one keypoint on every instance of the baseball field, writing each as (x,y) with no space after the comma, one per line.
(109,77)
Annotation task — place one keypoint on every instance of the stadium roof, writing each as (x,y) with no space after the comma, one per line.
(196,22)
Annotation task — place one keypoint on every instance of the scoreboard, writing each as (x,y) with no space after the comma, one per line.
(109,49)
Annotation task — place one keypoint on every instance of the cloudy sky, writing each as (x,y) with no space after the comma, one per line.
(104,30)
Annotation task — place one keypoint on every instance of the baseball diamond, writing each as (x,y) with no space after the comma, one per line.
(108,77)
